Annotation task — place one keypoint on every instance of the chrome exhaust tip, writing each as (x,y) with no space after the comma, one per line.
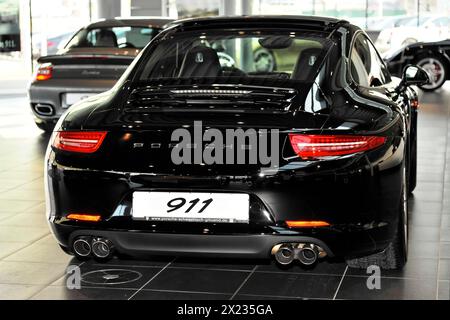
(102,248)
(284,254)
(43,109)
(308,255)
(82,246)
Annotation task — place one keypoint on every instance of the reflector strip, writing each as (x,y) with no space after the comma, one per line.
(307,224)
(84,217)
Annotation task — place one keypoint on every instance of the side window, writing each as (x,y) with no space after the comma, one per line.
(315,100)
(359,62)
(440,22)
(366,67)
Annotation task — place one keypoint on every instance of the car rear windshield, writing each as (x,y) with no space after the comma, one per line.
(114,37)
(270,55)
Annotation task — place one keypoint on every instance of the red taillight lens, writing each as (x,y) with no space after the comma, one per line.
(44,72)
(79,141)
(316,146)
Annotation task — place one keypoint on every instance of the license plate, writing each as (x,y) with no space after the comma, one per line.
(72,98)
(191,207)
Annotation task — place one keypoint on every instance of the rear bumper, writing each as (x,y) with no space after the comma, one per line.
(363,219)
(51,92)
(255,246)
(360,200)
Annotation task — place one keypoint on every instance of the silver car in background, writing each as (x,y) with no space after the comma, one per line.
(90,63)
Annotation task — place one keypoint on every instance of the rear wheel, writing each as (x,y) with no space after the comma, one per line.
(264,60)
(395,255)
(435,66)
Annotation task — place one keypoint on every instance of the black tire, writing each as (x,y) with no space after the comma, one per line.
(423,62)
(412,174)
(395,255)
(46,126)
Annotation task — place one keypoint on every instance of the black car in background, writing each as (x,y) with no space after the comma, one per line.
(433,57)
(90,63)
(147,167)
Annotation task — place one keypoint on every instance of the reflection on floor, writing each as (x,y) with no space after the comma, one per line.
(32,266)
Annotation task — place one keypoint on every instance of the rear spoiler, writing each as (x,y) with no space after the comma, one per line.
(83,58)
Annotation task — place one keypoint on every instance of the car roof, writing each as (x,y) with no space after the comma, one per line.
(155,22)
(294,20)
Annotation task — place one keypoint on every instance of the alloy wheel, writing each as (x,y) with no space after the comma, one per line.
(435,70)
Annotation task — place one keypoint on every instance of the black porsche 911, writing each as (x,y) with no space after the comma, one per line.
(433,57)
(195,151)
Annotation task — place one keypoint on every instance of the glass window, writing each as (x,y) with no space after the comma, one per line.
(116,37)
(441,22)
(413,22)
(366,67)
(277,56)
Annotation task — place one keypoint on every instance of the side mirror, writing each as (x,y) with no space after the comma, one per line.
(415,75)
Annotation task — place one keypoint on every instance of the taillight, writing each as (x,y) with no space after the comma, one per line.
(316,146)
(79,141)
(44,72)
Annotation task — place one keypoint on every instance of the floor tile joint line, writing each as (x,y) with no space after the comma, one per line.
(340,283)
(243,283)
(145,284)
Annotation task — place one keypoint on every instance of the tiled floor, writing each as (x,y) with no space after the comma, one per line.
(33,267)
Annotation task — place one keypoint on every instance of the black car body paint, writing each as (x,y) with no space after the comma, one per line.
(357,194)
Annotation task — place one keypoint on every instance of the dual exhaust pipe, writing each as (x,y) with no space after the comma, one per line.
(97,247)
(306,253)
(285,253)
